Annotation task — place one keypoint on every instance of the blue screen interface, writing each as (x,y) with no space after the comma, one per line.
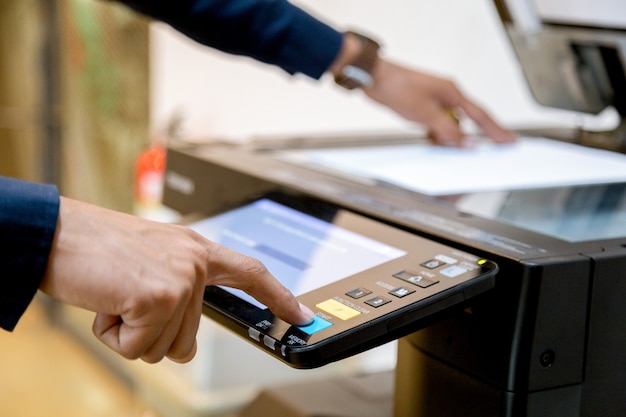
(300,250)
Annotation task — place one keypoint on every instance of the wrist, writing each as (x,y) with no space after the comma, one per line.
(355,65)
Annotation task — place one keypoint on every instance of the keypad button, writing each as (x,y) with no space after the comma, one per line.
(405,275)
(423,282)
(447,259)
(269,342)
(415,279)
(337,309)
(432,263)
(318,325)
(377,301)
(453,271)
(254,334)
(358,293)
(401,292)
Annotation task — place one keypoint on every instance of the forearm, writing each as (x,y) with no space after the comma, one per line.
(28,218)
(274,32)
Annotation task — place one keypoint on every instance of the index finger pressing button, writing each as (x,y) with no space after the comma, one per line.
(318,324)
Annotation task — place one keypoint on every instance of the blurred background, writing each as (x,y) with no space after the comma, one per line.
(88,92)
(74,96)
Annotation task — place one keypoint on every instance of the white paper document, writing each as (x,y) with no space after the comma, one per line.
(528,163)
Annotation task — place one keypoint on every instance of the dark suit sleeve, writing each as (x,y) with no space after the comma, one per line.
(28,220)
(270,31)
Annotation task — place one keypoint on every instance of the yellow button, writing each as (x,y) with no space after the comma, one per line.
(337,309)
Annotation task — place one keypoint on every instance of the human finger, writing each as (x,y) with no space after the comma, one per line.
(166,340)
(178,336)
(184,347)
(188,357)
(486,123)
(233,269)
(127,340)
(444,128)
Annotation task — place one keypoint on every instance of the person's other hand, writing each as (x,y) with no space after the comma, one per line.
(431,101)
(145,280)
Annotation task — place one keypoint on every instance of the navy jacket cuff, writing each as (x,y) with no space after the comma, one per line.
(28,221)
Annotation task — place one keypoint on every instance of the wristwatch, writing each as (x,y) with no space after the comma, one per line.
(358,72)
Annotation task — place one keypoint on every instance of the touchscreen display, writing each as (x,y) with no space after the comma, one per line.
(301,251)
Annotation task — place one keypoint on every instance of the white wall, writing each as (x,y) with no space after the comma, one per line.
(609,13)
(235,97)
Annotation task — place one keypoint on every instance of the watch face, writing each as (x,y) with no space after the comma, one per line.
(354,77)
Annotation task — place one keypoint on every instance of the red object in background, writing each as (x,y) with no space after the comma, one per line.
(149,171)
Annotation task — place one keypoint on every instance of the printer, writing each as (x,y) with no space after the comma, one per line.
(549,340)
(573,57)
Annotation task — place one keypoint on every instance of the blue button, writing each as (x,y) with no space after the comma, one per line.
(318,324)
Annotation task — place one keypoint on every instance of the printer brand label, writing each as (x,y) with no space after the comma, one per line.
(180,183)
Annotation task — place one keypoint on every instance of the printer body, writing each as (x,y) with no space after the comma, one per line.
(547,341)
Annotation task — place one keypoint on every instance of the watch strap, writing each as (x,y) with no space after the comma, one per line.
(358,72)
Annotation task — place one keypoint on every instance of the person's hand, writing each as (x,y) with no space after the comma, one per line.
(145,280)
(434,102)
